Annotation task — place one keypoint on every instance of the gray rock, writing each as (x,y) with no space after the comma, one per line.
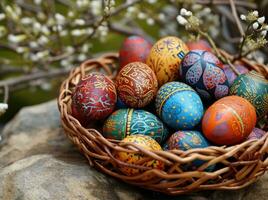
(38,162)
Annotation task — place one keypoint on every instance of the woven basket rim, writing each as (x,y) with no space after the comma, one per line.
(251,159)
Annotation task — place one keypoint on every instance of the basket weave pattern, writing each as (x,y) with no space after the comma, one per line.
(240,165)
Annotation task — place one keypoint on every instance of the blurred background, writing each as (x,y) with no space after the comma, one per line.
(40,41)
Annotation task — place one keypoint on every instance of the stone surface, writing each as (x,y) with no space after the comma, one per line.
(37,162)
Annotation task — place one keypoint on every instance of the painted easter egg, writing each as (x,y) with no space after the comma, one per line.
(136,85)
(229,121)
(256,134)
(134,49)
(125,122)
(199,45)
(186,140)
(165,58)
(136,158)
(231,75)
(179,106)
(94,97)
(253,87)
(203,71)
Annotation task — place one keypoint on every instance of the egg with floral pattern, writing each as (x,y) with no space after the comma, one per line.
(186,140)
(94,97)
(179,106)
(229,121)
(125,122)
(204,72)
(134,49)
(137,158)
(165,58)
(136,85)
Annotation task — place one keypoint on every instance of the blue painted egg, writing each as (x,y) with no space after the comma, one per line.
(204,72)
(185,140)
(179,106)
(125,122)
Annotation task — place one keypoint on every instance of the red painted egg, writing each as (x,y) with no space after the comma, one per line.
(94,97)
(229,121)
(199,45)
(134,49)
(136,85)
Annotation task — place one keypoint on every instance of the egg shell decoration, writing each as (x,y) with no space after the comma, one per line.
(136,158)
(203,71)
(134,49)
(136,85)
(199,45)
(256,134)
(125,122)
(165,58)
(229,121)
(179,106)
(186,140)
(231,75)
(253,87)
(94,97)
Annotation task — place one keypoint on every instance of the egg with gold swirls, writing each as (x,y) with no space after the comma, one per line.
(229,121)
(136,158)
(134,49)
(136,85)
(165,58)
(186,140)
(94,97)
(204,72)
(253,87)
(125,122)
(179,106)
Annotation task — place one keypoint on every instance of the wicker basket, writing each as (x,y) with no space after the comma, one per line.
(242,164)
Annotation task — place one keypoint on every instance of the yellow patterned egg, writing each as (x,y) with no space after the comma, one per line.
(137,158)
(165,58)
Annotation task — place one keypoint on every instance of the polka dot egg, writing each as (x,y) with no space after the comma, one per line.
(135,158)
(179,106)
(125,122)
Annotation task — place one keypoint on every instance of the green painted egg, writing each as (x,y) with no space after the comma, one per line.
(125,122)
(253,87)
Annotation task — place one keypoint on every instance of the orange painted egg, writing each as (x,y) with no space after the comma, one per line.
(229,121)
(136,158)
(165,58)
(136,85)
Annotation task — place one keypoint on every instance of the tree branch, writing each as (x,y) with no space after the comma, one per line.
(238,23)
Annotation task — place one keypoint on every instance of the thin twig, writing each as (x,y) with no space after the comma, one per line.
(6,94)
(238,23)
(224,2)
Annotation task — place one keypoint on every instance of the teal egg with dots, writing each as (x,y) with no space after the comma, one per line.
(179,106)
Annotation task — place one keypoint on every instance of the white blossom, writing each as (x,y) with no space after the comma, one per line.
(255,25)
(96,6)
(37,26)
(264,33)
(141,15)
(89,31)
(85,48)
(2,16)
(33,44)
(3,108)
(37,2)
(21,49)
(183,12)
(81,57)
(255,13)
(63,33)
(79,22)
(261,20)
(188,13)
(78,32)
(243,17)
(26,20)
(42,54)
(16,38)
(152,1)
(131,9)
(150,21)
(60,18)
(265,27)
(206,10)
(12,13)
(70,14)
(45,30)
(43,40)
(70,49)
(161,16)
(181,20)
